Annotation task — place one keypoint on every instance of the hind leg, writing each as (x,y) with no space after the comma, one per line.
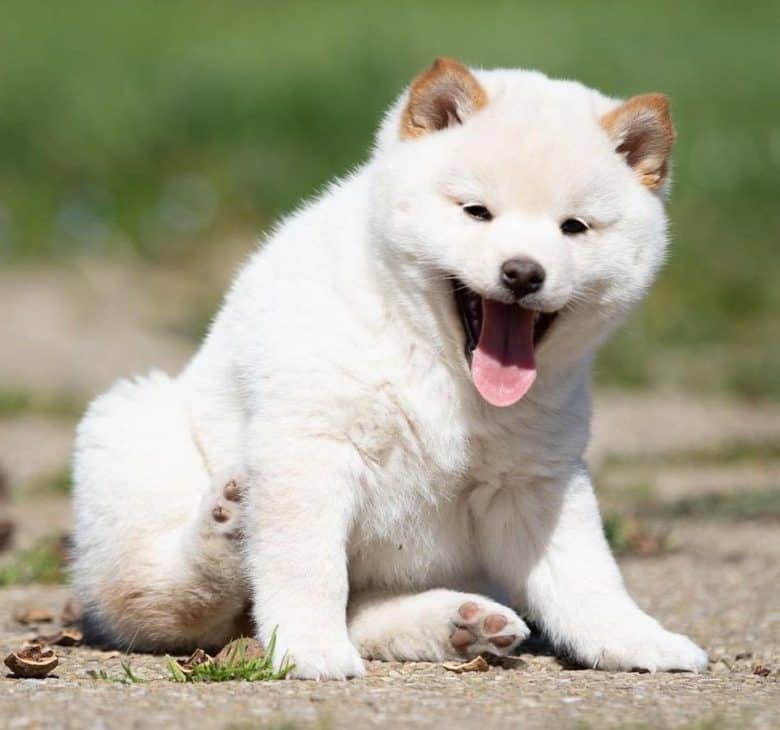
(432,626)
(157,559)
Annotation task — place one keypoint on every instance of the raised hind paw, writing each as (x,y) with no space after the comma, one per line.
(221,509)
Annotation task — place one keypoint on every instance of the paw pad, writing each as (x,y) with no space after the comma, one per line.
(462,638)
(468,611)
(494,623)
(486,626)
(232,492)
(220,514)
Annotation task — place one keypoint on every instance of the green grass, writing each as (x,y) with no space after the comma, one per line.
(128,675)
(42,563)
(59,483)
(157,127)
(763,504)
(729,454)
(615,532)
(629,535)
(240,668)
(16,402)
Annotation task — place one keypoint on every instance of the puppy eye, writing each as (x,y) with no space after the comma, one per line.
(480,212)
(573,226)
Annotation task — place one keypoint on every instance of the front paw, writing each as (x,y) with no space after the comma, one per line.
(319,658)
(651,649)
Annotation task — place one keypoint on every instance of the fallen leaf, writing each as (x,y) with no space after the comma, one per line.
(72,612)
(760,670)
(33,661)
(65,637)
(238,650)
(34,615)
(477,664)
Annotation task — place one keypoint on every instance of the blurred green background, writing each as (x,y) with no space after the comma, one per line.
(154,129)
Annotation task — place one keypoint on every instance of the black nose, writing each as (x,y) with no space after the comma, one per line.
(522,275)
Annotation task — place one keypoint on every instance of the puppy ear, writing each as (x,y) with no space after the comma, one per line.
(641,130)
(446,94)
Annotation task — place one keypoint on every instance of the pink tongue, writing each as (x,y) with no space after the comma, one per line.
(502,365)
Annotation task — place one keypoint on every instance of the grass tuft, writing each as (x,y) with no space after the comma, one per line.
(128,676)
(240,668)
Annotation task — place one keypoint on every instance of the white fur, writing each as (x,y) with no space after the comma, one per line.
(334,388)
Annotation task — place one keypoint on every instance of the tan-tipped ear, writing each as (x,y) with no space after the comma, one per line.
(443,95)
(642,131)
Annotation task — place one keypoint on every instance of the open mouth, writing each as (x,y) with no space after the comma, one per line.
(500,340)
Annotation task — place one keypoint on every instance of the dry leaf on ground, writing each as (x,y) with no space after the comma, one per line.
(477,664)
(197,658)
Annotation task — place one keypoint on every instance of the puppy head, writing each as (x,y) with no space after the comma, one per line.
(529,209)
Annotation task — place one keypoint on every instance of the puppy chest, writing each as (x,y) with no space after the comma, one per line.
(433,546)
(409,440)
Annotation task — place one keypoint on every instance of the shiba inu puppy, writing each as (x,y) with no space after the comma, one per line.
(385,424)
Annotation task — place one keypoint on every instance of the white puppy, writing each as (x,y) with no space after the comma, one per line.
(392,405)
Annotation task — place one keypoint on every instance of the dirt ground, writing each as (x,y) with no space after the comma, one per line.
(714,572)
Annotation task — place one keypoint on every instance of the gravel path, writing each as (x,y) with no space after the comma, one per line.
(721,585)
